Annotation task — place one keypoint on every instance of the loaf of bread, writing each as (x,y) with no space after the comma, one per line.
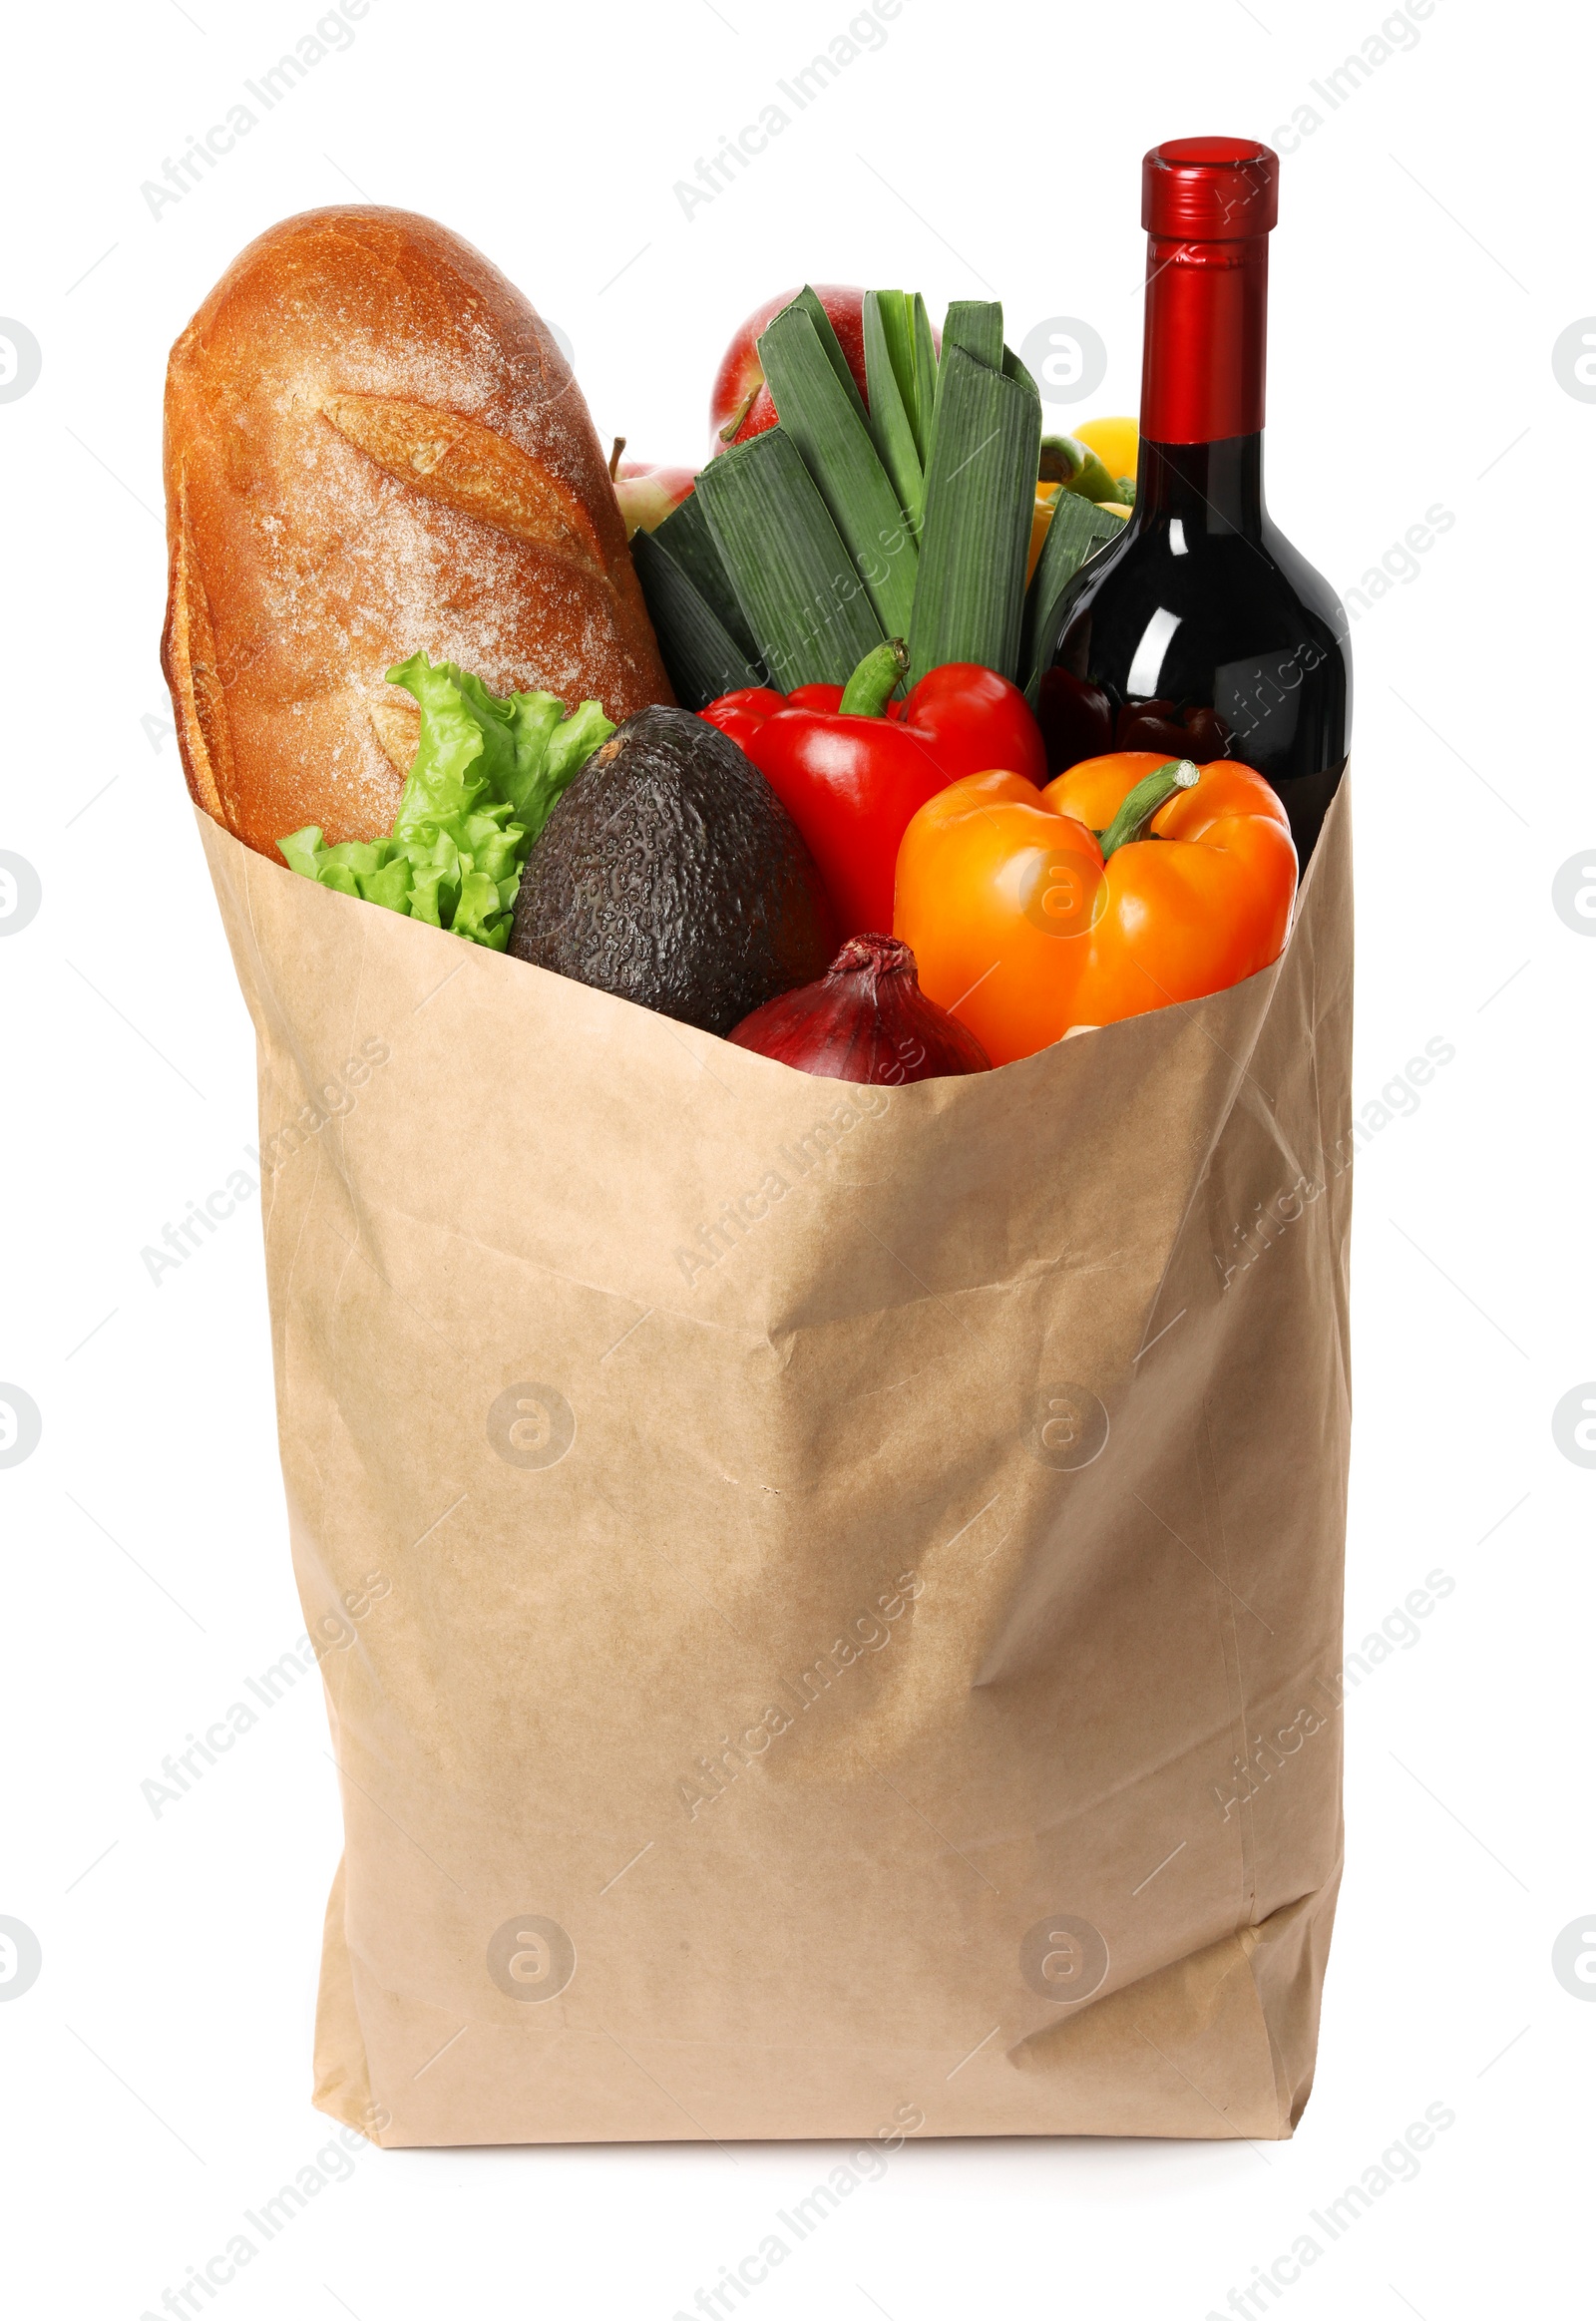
(374,446)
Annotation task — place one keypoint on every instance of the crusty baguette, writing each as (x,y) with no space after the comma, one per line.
(373,446)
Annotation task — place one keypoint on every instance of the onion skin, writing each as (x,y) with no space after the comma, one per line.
(866,1020)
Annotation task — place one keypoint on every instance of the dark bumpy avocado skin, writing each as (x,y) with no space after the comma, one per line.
(672,875)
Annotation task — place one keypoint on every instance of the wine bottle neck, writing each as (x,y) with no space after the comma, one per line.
(1202,377)
(1205,488)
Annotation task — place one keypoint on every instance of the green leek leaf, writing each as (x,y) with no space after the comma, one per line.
(830,345)
(1077,530)
(833,440)
(890,352)
(924,408)
(1013,368)
(688,536)
(806,605)
(980,492)
(975,324)
(701,660)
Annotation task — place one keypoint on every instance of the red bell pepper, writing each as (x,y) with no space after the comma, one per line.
(853,771)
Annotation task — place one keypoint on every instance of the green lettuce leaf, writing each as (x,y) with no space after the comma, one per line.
(486,777)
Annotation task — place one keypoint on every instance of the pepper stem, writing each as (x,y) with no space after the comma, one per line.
(1143,801)
(875,679)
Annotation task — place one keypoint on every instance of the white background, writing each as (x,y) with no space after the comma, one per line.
(1433,244)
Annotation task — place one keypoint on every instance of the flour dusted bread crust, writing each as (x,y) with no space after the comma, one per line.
(374,446)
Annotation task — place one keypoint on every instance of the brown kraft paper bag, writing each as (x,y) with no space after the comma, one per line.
(829,1597)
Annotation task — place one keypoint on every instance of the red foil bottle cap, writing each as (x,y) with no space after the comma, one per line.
(1210,189)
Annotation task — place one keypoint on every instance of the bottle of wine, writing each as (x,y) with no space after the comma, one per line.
(1200,631)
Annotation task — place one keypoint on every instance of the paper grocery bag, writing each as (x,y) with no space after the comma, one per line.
(829,1597)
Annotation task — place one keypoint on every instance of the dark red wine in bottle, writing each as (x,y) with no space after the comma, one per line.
(1201,631)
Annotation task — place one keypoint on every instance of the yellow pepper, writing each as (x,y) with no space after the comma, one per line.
(1040,517)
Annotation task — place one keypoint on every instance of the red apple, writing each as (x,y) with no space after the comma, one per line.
(648,494)
(741,404)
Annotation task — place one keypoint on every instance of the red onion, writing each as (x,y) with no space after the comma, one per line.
(866,1019)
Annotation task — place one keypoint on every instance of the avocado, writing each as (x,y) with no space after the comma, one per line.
(670,874)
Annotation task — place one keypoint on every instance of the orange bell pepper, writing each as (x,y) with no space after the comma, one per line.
(1131,882)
